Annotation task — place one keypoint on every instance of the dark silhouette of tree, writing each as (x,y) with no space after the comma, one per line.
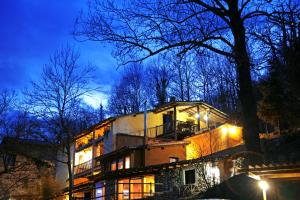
(158,78)
(55,98)
(127,95)
(280,104)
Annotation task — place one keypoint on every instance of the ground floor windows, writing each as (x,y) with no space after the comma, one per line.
(208,171)
(135,188)
(100,191)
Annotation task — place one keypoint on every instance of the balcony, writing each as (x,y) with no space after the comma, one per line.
(83,167)
(182,128)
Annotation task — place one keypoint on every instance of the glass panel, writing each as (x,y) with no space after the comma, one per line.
(123,189)
(136,188)
(149,186)
(98,149)
(83,156)
(120,163)
(127,162)
(100,191)
(113,166)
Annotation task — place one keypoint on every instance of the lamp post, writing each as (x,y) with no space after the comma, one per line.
(264,186)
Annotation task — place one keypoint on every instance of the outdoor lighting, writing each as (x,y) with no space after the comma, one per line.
(264,186)
(232,130)
(197,115)
(205,117)
(224,130)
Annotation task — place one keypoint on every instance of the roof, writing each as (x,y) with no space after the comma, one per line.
(169,105)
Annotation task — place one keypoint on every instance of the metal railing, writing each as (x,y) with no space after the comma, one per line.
(83,167)
(183,129)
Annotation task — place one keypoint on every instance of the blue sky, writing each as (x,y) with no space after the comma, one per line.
(31,30)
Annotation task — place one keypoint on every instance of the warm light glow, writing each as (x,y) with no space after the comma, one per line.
(197,116)
(83,156)
(205,117)
(263,185)
(127,162)
(232,130)
(224,130)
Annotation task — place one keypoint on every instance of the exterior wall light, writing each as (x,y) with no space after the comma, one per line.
(232,130)
(264,186)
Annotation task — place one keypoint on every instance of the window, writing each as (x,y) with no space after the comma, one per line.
(127,162)
(120,163)
(123,189)
(113,166)
(149,186)
(189,176)
(173,159)
(136,188)
(100,191)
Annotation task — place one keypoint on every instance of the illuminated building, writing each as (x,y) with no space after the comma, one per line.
(114,159)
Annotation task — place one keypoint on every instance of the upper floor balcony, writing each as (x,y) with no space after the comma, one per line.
(179,128)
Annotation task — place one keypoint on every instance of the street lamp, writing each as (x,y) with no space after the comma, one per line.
(264,186)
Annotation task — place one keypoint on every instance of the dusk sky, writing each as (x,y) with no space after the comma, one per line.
(31,30)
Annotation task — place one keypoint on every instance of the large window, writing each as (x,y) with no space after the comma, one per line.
(83,156)
(136,188)
(189,176)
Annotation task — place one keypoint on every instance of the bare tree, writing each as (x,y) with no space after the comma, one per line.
(55,98)
(141,29)
(158,79)
(127,95)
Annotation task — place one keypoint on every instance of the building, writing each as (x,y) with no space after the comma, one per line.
(27,169)
(182,141)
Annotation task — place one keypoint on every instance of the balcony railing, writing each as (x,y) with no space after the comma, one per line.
(183,129)
(83,167)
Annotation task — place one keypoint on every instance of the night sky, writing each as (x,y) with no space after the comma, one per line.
(31,30)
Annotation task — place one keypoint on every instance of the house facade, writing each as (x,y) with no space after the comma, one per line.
(179,148)
(27,170)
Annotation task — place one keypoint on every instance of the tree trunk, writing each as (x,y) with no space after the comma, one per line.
(245,92)
(69,160)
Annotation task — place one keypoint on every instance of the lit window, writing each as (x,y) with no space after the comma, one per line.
(189,176)
(213,172)
(100,191)
(136,188)
(120,163)
(149,186)
(173,159)
(127,162)
(113,166)
(123,189)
